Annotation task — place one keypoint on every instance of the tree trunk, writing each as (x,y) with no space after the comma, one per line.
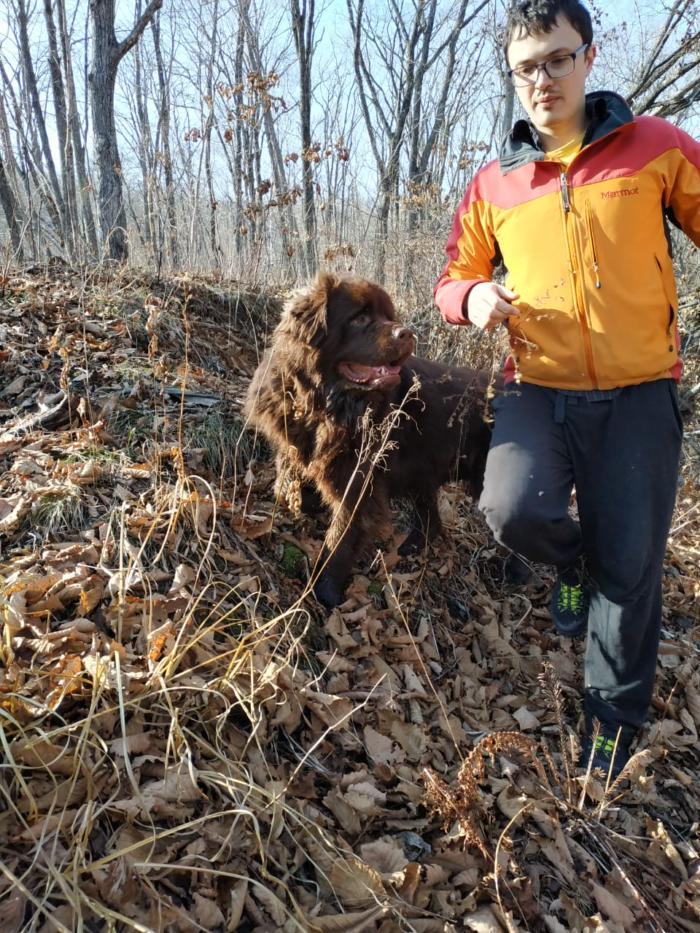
(145,152)
(33,91)
(10,208)
(303,28)
(106,55)
(208,126)
(84,185)
(288,227)
(238,137)
(164,134)
(391,118)
(64,138)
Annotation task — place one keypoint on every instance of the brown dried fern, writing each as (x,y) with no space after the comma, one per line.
(454,806)
(551,688)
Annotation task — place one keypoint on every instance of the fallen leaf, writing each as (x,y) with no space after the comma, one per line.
(207,912)
(526,719)
(613,907)
(354,883)
(385,855)
(483,920)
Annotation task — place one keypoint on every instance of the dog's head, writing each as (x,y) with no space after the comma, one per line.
(350,326)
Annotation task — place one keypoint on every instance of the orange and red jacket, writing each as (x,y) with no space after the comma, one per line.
(586,249)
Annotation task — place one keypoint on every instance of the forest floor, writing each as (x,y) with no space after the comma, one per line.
(190,743)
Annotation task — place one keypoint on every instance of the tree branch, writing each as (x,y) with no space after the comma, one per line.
(126,44)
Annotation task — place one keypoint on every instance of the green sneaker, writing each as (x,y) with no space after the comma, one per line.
(608,750)
(569,604)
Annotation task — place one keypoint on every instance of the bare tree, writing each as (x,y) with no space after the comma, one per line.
(207,134)
(12,213)
(382,116)
(76,133)
(144,146)
(262,81)
(62,129)
(392,90)
(43,158)
(163,144)
(429,112)
(107,53)
(10,198)
(37,189)
(340,121)
(303,25)
(384,140)
(668,81)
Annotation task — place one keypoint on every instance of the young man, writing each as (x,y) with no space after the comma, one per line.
(577,207)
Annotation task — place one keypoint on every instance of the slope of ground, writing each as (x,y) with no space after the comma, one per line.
(190,744)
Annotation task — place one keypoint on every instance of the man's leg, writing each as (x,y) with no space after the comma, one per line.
(626,454)
(529,477)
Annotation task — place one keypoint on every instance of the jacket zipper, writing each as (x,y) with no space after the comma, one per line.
(579,297)
(591,236)
(565,193)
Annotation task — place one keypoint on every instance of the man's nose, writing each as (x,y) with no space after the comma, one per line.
(543,79)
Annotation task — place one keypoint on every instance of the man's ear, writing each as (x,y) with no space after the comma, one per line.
(590,58)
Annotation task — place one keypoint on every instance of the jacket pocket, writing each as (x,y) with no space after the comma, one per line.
(669,293)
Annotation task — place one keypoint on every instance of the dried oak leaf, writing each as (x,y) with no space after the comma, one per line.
(385,855)
(482,920)
(355,884)
(12,511)
(611,905)
(207,913)
(380,748)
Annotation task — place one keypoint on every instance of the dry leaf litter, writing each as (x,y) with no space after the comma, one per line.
(189,743)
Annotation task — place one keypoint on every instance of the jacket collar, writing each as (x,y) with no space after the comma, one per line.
(605,112)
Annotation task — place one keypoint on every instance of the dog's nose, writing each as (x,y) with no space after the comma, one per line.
(402,333)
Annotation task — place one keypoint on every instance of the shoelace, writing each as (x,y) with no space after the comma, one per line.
(604,745)
(571,598)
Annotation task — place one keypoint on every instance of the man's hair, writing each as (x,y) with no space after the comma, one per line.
(528,17)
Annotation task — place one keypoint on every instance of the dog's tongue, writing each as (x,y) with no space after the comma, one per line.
(356,372)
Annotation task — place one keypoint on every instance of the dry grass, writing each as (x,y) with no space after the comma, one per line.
(189,744)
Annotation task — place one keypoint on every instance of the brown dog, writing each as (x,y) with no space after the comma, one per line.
(347,407)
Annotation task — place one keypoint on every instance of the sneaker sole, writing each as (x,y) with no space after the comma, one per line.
(574,632)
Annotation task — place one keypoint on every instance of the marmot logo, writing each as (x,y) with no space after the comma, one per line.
(621,193)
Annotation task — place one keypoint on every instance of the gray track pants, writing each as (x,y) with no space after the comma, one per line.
(622,455)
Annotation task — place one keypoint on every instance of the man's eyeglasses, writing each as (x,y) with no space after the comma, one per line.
(558,67)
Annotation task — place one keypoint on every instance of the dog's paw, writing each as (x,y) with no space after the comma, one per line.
(328,592)
(413,543)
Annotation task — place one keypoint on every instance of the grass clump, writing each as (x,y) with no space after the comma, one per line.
(59,512)
(226,446)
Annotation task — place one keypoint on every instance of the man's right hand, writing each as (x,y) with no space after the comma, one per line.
(489,305)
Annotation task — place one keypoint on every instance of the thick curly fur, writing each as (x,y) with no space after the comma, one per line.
(351,413)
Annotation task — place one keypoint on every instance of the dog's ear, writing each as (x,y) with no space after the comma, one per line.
(307,309)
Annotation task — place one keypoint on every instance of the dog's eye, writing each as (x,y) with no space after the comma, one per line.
(362,318)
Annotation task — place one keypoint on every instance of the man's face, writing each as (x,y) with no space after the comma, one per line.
(554,105)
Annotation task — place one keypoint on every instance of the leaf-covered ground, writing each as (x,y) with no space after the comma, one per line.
(189,743)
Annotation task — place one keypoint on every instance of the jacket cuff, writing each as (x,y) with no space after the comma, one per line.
(451,298)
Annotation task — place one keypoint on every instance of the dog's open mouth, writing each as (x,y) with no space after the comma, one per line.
(372,377)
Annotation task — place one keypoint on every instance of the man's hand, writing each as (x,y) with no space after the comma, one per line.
(489,305)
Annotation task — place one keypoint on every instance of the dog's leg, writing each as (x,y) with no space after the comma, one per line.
(354,523)
(299,495)
(426,523)
(311,501)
